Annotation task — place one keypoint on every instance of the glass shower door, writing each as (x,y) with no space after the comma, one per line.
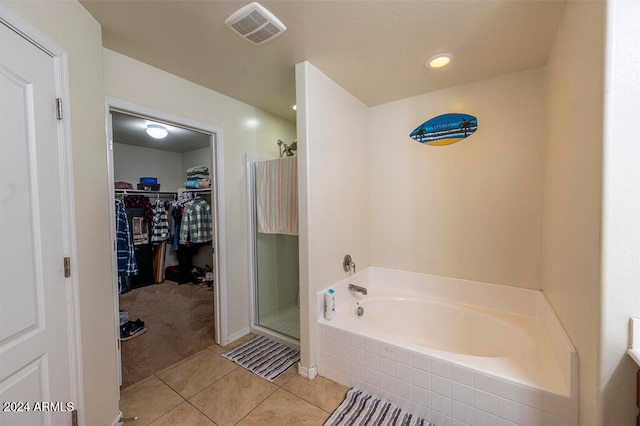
(277,304)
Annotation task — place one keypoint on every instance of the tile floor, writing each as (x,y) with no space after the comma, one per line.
(207,389)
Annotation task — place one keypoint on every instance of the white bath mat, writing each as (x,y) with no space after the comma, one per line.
(265,357)
(360,409)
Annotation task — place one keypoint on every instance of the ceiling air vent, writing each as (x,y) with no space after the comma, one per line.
(255,23)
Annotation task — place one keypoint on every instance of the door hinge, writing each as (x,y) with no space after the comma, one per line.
(59,108)
(74,418)
(67,267)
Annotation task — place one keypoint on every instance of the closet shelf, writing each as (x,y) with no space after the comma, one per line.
(141,191)
(178,192)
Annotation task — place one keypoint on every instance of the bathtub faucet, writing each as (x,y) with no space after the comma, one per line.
(357,289)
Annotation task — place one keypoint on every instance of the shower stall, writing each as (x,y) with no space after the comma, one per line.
(273,235)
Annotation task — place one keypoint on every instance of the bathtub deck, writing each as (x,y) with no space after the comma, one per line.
(534,386)
(536,366)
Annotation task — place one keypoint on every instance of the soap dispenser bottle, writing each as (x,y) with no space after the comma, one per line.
(329,305)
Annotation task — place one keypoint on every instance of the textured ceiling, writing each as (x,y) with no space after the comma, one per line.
(374,49)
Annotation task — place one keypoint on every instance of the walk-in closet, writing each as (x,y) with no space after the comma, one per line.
(165,229)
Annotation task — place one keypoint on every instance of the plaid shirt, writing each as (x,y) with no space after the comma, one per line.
(196,226)
(159,224)
(126,256)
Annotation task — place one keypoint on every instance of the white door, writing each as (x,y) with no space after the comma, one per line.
(35,355)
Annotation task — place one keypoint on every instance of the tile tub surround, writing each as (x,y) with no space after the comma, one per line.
(441,388)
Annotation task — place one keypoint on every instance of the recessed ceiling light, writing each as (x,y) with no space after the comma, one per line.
(294,107)
(439,60)
(157,131)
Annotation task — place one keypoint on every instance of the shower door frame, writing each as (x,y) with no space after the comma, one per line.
(250,160)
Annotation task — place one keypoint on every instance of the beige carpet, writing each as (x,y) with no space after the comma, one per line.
(179,322)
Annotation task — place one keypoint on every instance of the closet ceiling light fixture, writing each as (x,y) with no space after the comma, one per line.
(157,131)
(439,60)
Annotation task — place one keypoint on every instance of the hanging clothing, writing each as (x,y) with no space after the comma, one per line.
(277,196)
(159,223)
(133,201)
(196,226)
(177,207)
(124,243)
(185,263)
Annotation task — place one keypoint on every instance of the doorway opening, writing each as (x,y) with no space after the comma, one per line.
(170,304)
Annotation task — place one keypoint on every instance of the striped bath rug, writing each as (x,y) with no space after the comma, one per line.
(360,409)
(265,357)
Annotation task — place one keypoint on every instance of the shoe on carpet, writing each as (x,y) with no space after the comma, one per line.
(131,329)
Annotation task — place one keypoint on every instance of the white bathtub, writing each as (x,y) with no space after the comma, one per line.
(453,351)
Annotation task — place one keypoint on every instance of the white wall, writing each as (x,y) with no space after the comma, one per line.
(246,130)
(130,163)
(197,157)
(468,210)
(621,211)
(573,189)
(71,27)
(333,189)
